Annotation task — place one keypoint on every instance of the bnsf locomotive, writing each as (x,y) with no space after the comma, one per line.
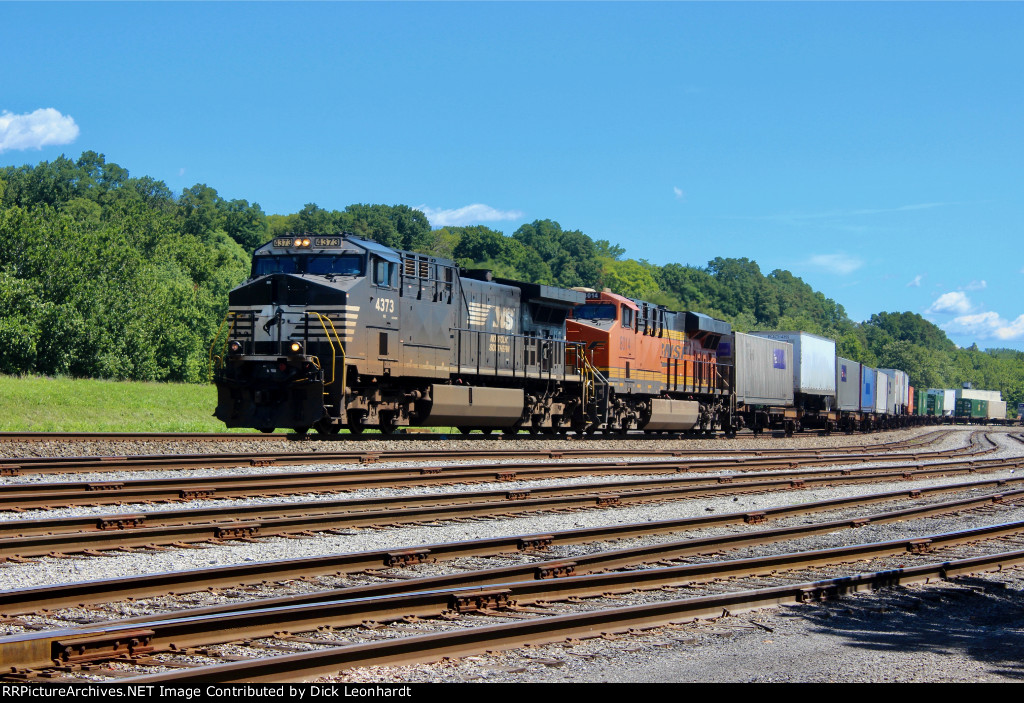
(333,332)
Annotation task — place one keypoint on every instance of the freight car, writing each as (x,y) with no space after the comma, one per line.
(333,332)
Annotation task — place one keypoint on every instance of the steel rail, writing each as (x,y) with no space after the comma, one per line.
(132,436)
(431,597)
(10,437)
(14,466)
(19,496)
(22,538)
(542,630)
(19,601)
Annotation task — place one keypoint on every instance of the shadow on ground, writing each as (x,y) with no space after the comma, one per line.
(974,618)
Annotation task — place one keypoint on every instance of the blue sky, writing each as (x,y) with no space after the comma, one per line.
(873,149)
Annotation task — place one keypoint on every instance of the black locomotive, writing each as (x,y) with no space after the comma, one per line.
(337,331)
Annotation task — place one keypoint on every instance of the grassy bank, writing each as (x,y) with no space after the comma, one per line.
(41,404)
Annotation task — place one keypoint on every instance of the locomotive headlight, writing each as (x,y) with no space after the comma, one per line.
(235,348)
(305,242)
(297,243)
(295,347)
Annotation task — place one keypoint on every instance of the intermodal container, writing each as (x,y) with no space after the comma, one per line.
(996,410)
(848,386)
(977,394)
(867,389)
(972,407)
(949,402)
(764,370)
(814,369)
(899,390)
(881,393)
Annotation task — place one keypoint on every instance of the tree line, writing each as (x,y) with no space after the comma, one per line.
(107,276)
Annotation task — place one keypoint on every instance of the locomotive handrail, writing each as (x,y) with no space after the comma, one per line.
(219,359)
(334,356)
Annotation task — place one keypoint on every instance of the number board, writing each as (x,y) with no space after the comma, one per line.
(306,242)
(327,241)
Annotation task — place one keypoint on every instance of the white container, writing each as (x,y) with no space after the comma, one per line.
(814,371)
(881,393)
(949,402)
(975,394)
(996,409)
(899,390)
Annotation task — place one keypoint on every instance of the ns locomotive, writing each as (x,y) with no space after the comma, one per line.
(333,332)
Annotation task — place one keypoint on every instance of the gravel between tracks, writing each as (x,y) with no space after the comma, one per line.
(970,631)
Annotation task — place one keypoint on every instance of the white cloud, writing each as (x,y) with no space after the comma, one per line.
(952,302)
(181,171)
(987,325)
(471,214)
(680,195)
(975,285)
(916,283)
(840,263)
(34,130)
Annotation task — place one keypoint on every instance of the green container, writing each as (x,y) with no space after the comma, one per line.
(934,404)
(971,407)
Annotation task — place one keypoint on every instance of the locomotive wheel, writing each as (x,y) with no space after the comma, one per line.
(486,430)
(355,427)
(326,428)
(464,430)
(388,427)
(266,430)
(510,431)
(300,431)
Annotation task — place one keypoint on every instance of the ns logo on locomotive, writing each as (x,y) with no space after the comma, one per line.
(333,332)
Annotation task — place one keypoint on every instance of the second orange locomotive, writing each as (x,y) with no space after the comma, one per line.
(661,367)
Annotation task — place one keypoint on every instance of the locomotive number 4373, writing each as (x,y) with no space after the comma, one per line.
(385,305)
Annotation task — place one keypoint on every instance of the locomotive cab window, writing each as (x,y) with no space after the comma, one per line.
(330,265)
(266,265)
(627,317)
(590,311)
(384,273)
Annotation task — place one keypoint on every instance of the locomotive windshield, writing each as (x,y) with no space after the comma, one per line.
(327,264)
(264,265)
(595,311)
(317,265)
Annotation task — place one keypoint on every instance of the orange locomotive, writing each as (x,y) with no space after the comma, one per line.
(661,367)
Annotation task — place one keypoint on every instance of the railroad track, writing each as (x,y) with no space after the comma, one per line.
(408,435)
(138,640)
(471,610)
(42,536)
(23,496)
(16,466)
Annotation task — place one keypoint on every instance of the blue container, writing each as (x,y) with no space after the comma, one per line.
(867,389)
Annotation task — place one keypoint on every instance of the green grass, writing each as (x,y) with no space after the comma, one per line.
(40,404)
